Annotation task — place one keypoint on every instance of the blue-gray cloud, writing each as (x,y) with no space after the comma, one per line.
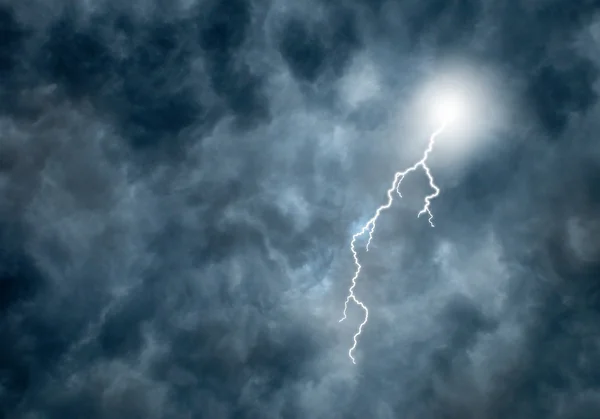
(180,182)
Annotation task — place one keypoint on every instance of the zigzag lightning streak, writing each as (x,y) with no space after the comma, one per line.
(369,227)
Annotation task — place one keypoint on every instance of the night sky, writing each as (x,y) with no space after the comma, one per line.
(180,181)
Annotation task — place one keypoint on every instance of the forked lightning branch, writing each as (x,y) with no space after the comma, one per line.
(449,111)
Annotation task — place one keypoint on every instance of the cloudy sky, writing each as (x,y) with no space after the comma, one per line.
(181,179)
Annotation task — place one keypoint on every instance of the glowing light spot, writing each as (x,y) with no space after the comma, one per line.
(449,108)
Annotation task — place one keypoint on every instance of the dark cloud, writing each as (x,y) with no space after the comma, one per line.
(181,181)
(76,58)
(313,49)
(13,36)
(538,41)
(556,93)
(222,36)
(450,23)
(142,74)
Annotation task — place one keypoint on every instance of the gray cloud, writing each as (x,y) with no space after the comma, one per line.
(181,181)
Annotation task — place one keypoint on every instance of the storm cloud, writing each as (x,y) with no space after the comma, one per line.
(180,182)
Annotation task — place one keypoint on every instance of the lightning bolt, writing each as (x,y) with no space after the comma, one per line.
(369,228)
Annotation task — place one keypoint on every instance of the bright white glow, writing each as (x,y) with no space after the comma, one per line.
(473,103)
(449,107)
(459,95)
